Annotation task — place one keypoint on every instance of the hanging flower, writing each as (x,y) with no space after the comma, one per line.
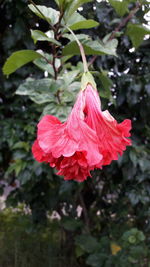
(71,147)
(89,139)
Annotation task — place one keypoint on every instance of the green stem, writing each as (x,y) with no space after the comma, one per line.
(85,65)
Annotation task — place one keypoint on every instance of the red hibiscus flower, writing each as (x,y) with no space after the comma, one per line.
(88,139)
(71,147)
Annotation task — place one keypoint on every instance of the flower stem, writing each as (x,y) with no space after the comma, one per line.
(85,65)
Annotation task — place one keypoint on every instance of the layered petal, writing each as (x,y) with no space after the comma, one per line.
(71,147)
(41,156)
(111,135)
(64,139)
(75,166)
(90,138)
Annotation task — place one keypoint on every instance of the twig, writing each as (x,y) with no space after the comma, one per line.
(56,35)
(53,61)
(92,60)
(59,21)
(58,96)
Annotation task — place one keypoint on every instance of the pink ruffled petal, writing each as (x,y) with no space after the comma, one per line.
(112,136)
(75,167)
(64,139)
(39,154)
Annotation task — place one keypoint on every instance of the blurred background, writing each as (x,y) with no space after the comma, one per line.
(44,220)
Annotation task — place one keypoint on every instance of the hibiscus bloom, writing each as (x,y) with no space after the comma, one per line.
(88,139)
(71,147)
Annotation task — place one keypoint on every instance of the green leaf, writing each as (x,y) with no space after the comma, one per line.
(74,6)
(141,236)
(76,17)
(77,21)
(59,2)
(22,145)
(39,91)
(87,24)
(58,110)
(46,13)
(121,7)
(19,59)
(134,197)
(65,58)
(74,87)
(41,36)
(17,166)
(133,157)
(92,48)
(106,84)
(69,77)
(82,37)
(25,176)
(66,96)
(87,243)
(45,63)
(136,33)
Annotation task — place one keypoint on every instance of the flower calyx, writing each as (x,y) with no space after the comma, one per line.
(87,78)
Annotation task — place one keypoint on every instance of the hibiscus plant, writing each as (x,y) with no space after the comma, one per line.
(84,180)
(89,138)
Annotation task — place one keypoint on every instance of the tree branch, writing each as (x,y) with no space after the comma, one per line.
(56,35)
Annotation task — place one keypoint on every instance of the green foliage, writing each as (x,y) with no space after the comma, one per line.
(73,6)
(76,22)
(136,32)
(41,36)
(19,59)
(38,90)
(87,24)
(87,243)
(121,7)
(106,85)
(48,14)
(22,245)
(18,240)
(92,48)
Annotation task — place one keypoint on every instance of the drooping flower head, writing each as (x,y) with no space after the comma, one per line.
(89,139)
